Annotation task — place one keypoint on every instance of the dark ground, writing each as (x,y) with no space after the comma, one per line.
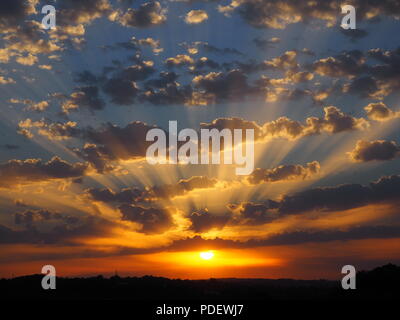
(382,283)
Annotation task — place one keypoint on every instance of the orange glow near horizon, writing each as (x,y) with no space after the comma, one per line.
(305,261)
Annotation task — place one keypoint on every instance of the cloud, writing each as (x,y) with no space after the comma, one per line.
(121,91)
(85,97)
(148,14)
(64,229)
(182,187)
(113,143)
(334,121)
(53,131)
(249,213)
(378,150)
(380,112)
(342,197)
(26,41)
(365,87)
(232,85)
(81,12)
(29,217)
(245,213)
(203,63)
(288,238)
(9,146)
(4,80)
(279,14)
(284,173)
(302,76)
(122,86)
(263,43)
(346,64)
(381,79)
(13,12)
(194,47)
(196,16)
(203,221)
(288,60)
(16,172)
(354,34)
(153,220)
(127,195)
(28,60)
(179,60)
(233,123)
(166,191)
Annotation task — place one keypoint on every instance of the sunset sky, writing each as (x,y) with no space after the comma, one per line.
(77,101)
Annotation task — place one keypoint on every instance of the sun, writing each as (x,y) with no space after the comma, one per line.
(207,255)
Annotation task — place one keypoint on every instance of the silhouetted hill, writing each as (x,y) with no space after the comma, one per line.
(379,283)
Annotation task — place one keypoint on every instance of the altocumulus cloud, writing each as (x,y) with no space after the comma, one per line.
(378,150)
(196,16)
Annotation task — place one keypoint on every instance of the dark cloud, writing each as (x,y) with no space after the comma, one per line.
(165,78)
(81,12)
(245,213)
(284,173)
(365,87)
(194,47)
(381,79)
(203,221)
(289,238)
(232,124)
(182,187)
(346,64)
(66,230)
(16,172)
(153,220)
(127,195)
(85,97)
(166,191)
(136,45)
(286,61)
(355,233)
(380,112)
(279,14)
(148,14)
(113,143)
(266,43)
(13,13)
(378,150)
(341,197)
(334,121)
(249,213)
(9,146)
(122,87)
(121,91)
(232,85)
(221,51)
(354,34)
(174,94)
(29,217)
(204,63)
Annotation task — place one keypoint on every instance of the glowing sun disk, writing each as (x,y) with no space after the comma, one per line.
(207,255)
